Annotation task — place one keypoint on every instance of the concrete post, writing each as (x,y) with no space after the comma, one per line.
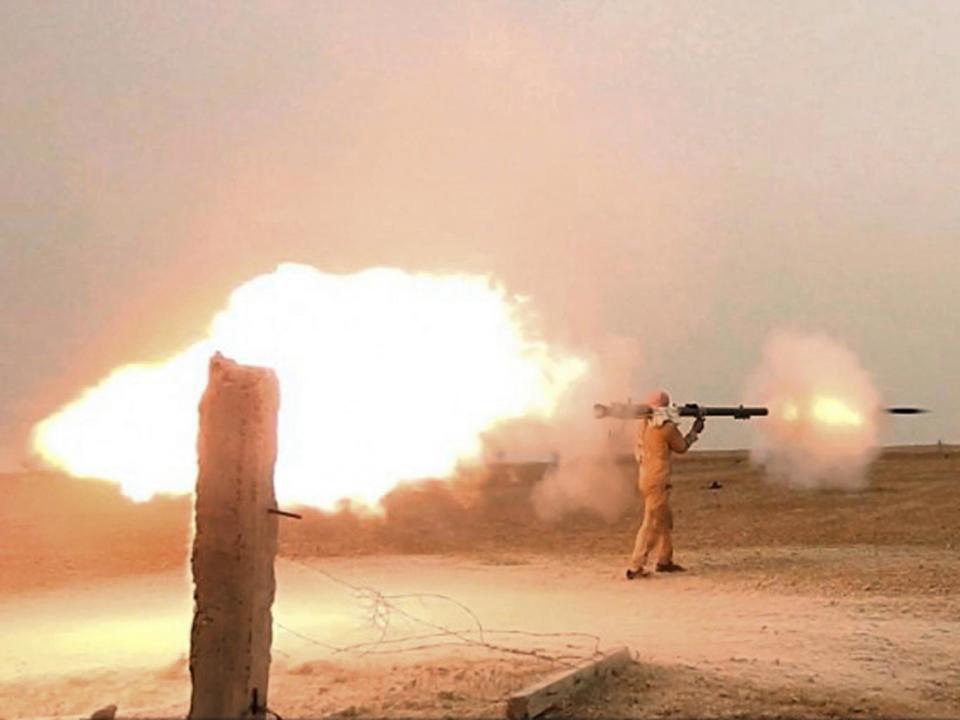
(235,542)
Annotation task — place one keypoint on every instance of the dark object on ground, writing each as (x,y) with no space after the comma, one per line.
(632,574)
(670,567)
(715,486)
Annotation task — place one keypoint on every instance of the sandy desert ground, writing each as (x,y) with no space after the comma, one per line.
(797,603)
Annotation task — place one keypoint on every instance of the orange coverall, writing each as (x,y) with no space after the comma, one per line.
(655,445)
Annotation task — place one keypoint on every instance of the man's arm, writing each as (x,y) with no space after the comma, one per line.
(680,443)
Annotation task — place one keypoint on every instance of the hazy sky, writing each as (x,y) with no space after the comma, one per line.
(689,174)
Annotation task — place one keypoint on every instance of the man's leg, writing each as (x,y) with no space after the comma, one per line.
(665,561)
(642,546)
(654,499)
(665,545)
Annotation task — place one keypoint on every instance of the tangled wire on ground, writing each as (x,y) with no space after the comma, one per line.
(381,609)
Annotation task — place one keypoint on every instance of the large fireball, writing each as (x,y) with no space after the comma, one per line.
(385,376)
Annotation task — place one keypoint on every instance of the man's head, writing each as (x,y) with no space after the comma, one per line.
(658,399)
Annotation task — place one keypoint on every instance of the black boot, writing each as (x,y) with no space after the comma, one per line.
(631,574)
(670,567)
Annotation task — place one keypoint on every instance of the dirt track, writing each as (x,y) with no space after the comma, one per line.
(812,603)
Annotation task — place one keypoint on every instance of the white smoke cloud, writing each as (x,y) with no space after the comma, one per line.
(586,476)
(591,483)
(824,412)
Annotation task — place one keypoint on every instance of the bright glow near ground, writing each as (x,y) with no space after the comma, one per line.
(385,376)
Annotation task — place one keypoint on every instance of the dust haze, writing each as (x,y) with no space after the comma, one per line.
(670,185)
(332,140)
(600,158)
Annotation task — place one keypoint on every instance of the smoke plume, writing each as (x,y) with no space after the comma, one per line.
(824,412)
(585,476)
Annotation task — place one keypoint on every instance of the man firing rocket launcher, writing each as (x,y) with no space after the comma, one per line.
(658,437)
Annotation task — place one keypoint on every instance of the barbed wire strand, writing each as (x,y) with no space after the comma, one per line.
(384,606)
(389,606)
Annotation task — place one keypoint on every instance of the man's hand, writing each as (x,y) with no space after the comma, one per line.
(694,433)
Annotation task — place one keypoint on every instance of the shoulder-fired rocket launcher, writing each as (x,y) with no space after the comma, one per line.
(636,411)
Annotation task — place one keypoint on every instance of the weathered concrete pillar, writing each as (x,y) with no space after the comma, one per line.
(235,542)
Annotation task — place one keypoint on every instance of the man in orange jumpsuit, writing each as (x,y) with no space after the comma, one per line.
(657,439)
